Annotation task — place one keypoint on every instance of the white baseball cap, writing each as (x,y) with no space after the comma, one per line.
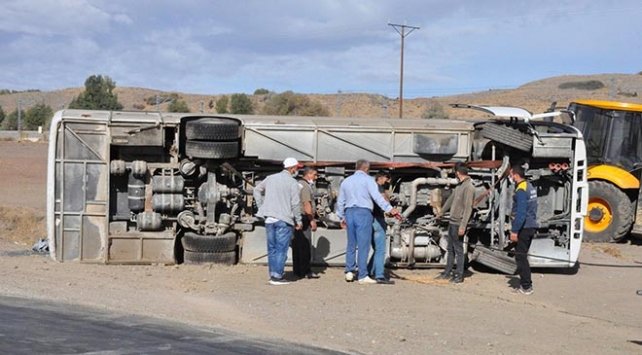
(290,162)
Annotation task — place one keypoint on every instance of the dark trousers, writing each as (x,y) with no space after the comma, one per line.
(302,249)
(524,239)
(455,250)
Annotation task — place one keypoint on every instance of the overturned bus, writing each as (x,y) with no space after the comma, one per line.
(151,187)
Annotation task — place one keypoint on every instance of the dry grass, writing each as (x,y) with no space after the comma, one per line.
(535,96)
(611,250)
(21,225)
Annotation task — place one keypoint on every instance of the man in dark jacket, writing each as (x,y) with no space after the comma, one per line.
(524,225)
(302,241)
(460,203)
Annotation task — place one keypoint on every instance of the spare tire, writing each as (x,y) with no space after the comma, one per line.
(213,129)
(195,257)
(211,150)
(209,243)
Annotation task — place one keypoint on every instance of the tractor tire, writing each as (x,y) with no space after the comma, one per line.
(507,135)
(610,213)
(213,129)
(209,243)
(212,150)
(195,257)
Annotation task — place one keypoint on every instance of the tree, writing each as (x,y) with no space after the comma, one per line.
(11,121)
(221,104)
(434,110)
(2,115)
(98,95)
(261,91)
(241,104)
(291,104)
(178,105)
(38,115)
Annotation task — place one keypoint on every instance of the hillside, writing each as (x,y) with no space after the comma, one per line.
(535,96)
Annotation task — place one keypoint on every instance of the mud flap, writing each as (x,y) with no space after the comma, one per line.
(495,260)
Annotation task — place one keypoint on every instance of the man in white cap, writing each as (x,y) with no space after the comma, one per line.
(279,203)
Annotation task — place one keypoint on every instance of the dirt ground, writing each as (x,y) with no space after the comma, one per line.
(595,310)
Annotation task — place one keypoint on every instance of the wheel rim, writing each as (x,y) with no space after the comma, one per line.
(599,217)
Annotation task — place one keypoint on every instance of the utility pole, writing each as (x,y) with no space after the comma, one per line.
(403,30)
(19,119)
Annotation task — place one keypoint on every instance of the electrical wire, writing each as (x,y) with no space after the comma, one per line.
(509,252)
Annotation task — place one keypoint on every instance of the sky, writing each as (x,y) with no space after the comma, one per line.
(320,46)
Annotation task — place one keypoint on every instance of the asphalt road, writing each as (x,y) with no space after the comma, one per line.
(32,327)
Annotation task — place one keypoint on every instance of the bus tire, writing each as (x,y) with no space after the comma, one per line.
(209,243)
(195,257)
(610,213)
(213,129)
(212,150)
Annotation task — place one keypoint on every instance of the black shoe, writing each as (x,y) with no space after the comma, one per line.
(457,279)
(312,275)
(385,281)
(444,276)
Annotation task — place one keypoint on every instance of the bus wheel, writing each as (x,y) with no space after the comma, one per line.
(610,213)
(196,257)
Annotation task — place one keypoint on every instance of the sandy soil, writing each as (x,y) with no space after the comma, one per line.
(594,311)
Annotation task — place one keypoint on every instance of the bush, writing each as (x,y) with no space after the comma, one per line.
(221,104)
(38,115)
(582,85)
(434,110)
(11,121)
(2,115)
(98,95)
(151,100)
(138,107)
(291,104)
(261,91)
(178,105)
(241,104)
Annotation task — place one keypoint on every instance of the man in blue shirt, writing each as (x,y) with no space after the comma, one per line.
(524,225)
(354,208)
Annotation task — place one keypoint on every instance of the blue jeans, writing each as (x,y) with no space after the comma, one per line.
(359,225)
(278,235)
(376,263)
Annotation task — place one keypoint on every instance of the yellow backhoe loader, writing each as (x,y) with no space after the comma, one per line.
(613,135)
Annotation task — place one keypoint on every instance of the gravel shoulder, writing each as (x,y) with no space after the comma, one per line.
(595,310)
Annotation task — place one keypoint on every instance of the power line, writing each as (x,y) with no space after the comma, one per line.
(401,29)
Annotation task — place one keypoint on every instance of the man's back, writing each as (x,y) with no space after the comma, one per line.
(360,190)
(278,197)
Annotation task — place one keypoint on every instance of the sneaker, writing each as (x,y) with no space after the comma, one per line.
(349,276)
(457,279)
(276,282)
(524,291)
(384,281)
(443,276)
(366,281)
(312,275)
